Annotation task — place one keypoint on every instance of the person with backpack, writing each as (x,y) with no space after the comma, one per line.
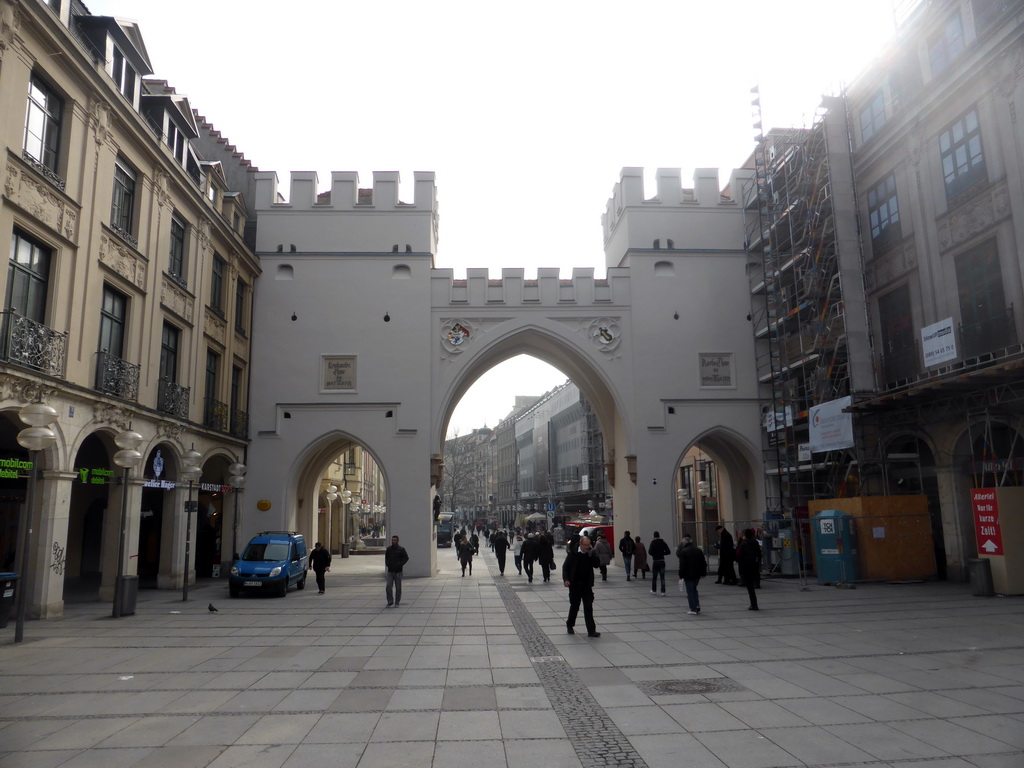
(693,566)
(627,547)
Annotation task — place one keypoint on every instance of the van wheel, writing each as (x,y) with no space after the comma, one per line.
(284,589)
(302,582)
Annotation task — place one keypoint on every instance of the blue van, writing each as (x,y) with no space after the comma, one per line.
(271,562)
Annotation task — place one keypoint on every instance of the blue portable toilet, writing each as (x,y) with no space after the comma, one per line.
(835,544)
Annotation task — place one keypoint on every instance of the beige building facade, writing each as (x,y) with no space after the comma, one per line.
(128,293)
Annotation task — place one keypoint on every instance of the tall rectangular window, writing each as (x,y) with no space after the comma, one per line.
(963,162)
(112,321)
(176,141)
(946,45)
(28,277)
(899,348)
(42,126)
(169,342)
(236,388)
(884,214)
(123,206)
(240,292)
(217,284)
(872,117)
(176,260)
(212,366)
(985,323)
(124,75)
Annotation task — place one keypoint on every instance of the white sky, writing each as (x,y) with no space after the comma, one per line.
(526,111)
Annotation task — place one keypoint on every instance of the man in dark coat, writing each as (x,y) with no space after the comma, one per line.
(627,547)
(658,551)
(545,555)
(726,556)
(748,555)
(529,554)
(320,563)
(578,576)
(692,568)
(395,557)
(500,546)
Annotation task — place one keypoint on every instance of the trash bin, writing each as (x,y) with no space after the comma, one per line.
(980,571)
(8,583)
(344,550)
(129,594)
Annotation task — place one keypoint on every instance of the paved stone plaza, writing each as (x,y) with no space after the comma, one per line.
(479,671)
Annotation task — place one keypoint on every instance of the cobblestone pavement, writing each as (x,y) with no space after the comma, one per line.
(479,670)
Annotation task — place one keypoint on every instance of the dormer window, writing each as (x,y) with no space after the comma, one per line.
(124,76)
(176,141)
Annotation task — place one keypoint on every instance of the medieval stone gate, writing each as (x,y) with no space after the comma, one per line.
(362,341)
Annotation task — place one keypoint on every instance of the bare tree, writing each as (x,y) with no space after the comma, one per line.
(458,488)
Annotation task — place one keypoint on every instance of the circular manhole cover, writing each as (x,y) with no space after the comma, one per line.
(691,686)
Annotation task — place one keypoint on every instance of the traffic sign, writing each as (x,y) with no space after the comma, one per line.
(986,521)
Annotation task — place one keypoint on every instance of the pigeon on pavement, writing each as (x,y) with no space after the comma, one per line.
(211,609)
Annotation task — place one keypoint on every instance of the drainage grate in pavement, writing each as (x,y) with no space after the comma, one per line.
(578,711)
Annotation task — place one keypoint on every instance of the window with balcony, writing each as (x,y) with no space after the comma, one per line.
(124,75)
(122,210)
(217,284)
(241,289)
(112,320)
(215,412)
(884,215)
(115,375)
(28,277)
(986,323)
(26,339)
(239,418)
(945,45)
(42,129)
(872,117)
(169,342)
(963,162)
(172,398)
(176,257)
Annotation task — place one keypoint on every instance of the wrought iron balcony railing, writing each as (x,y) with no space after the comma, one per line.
(117,377)
(172,398)
(33,345)
(989,335)
(45,172)
(240,424)
(215,415)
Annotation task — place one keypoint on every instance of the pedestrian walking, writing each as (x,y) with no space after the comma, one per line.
(627,547)
(726,556)
(658,551)
(466,552)
(475,541)
(395,558)
(545,555)
(748,556)
(692,568)
(640,559)
(319,564)
(578,577)
(603,550)
(499,543)
(529,553)
(517,553)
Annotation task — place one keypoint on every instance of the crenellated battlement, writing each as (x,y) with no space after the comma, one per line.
(513,289)
(346,218)
(345,193)
(675,219)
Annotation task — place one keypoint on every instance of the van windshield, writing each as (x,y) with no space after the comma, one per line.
(272,552)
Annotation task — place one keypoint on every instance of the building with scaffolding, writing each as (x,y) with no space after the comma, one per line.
(885,264)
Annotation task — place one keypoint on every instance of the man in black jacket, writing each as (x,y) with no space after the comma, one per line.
(395,557)
(627,547)
(692,568)
(578,576)
(658,550)
(320,563)
(726,556)
(529,553)
(500,546)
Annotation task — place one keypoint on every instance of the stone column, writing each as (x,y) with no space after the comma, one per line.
(49,544)
(172,538)
(112,533)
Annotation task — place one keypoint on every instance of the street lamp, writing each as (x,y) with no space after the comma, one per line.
(332,496)
(236,480)
(35,438)
(190,473)
(126,458)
